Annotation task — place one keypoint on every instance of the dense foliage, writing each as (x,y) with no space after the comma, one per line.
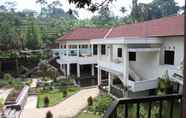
(36,30)
(100,104)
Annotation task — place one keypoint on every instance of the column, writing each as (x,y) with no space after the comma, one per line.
(78,50)
(110,53)
(92,70)
(92,50)
(99,76)
(99,52)
(99,70)
(67,50)
(78,70)
(109,81)
(125,69)
(61,67)
(68,69)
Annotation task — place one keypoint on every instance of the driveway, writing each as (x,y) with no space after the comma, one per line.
(66,109)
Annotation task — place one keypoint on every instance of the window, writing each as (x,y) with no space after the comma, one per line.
(95,49)
(103,49)
(119,52)
(132,56)
(169,57)
(84,46)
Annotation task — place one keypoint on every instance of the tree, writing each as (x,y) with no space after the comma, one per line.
(155,9)
(33,36)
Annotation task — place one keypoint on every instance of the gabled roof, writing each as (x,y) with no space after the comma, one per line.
(85,34)
(167,26)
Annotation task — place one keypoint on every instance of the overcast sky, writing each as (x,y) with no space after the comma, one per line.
(83,14)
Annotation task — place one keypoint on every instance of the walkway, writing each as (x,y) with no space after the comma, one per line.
(66,109)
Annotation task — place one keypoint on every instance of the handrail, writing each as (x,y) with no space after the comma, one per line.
(110,112)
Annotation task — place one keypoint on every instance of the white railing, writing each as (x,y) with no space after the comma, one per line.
(143,85)
(72,52)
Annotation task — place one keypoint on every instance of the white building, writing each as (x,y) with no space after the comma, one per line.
(136,54)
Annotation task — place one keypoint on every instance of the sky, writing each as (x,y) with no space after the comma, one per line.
(83,13)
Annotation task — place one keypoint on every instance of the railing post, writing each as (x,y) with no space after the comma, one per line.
(126,110)
(138,110)
(160,109)
(171,108)
(149,111)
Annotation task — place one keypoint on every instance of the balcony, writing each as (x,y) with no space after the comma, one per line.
(74,55)
(168,106)
(135,84)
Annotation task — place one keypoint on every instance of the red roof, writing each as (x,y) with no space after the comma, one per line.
(167,26)
(85,34)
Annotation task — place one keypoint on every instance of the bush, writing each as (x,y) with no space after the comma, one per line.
(7,76)
(46,101)
(65,93)
(90,101)
(101,104)
(49,114)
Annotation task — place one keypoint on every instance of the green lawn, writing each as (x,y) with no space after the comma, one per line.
(87,115)
(55,96)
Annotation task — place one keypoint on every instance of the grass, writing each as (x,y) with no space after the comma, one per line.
(55,96)
(87,115)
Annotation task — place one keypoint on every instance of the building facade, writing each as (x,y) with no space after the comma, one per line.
(132,57)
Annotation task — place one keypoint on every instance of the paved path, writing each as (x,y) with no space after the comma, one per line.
(66,109)
(4,93)
(31,102)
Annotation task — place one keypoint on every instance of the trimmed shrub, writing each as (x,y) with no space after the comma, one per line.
(65,93)
(7,76)
(90,101)
(49,114)
(46,101)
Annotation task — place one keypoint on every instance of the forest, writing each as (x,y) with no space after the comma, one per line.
(28,29)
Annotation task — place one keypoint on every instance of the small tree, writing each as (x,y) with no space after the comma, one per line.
(90,101)
(46,101)
(49,114)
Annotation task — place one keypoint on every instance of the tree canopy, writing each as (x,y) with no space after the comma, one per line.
(34,30)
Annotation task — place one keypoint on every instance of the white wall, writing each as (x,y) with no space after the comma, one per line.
(147,64)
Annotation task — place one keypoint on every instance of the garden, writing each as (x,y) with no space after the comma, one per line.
(51,93)
(96,107)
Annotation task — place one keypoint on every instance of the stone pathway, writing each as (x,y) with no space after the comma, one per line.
(4,93)
(66,109)
(31,102)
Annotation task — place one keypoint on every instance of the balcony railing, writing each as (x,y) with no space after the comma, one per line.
(72,52)
(168,106)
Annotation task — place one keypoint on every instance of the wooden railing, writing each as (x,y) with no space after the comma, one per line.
(151,101)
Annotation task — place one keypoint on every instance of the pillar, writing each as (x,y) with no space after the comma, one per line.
(125,69)
(99,52)
(78,70)
(67,50)
(68,69)
(92,70)
(99,76)
(98,59)
(109,81)
(92,50)
(61,67)
(78,50)
(110,53)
